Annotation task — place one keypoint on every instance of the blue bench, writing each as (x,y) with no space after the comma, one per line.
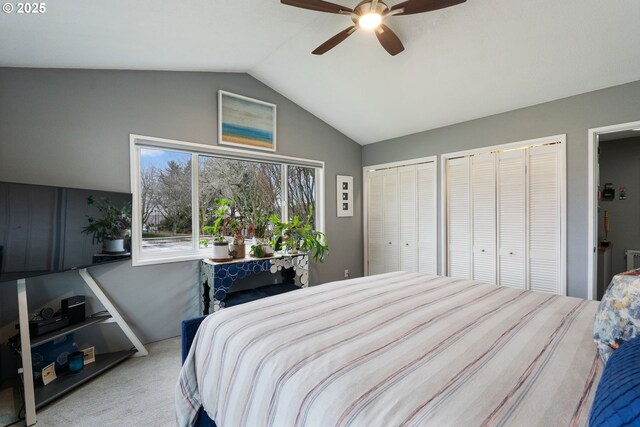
(188,332)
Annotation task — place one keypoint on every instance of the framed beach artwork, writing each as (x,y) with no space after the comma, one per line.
(246,122)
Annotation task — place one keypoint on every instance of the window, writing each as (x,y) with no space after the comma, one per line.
(251,186)
(165,200)
(175,186)
(301,189)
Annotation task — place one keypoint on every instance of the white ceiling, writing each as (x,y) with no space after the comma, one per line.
(472,60)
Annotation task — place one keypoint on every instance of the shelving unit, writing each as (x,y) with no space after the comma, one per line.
(37,395)
(68,329)
(65,382)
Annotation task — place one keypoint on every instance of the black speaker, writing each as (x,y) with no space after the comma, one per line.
(47,313)
(73,308)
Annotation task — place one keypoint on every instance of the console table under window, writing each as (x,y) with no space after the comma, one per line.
(216,278)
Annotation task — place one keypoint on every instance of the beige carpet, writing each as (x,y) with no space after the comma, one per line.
(138,392)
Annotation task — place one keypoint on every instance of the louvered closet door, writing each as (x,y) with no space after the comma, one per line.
(458,218)
(375,222)
(427,231)
(483,208)
(511,218)
(407,214)
(390,227)
(544,219)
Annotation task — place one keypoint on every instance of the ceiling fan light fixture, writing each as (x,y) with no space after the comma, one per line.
(370,21)
(369,15)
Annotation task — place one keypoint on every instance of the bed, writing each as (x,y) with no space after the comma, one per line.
(397,349)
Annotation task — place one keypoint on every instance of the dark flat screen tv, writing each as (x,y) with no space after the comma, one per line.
(41,229)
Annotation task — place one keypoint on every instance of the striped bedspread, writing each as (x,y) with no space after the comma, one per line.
(398,349)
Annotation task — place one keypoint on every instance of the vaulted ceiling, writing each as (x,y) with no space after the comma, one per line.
(472,60)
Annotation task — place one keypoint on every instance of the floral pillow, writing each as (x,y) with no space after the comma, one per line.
(618,315)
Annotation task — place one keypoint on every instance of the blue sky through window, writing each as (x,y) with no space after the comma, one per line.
(160,158)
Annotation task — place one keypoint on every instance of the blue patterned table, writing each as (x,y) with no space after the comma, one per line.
(224,274)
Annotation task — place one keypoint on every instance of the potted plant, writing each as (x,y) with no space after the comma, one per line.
(112,227)
(260,226)
(220,229)
(237,248)
(299,236)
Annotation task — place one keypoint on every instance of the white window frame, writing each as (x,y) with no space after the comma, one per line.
(137,142)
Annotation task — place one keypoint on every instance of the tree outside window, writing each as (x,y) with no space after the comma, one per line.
(165,190)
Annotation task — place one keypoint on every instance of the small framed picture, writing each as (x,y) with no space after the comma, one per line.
(49,374)
(344,195)
(89,355)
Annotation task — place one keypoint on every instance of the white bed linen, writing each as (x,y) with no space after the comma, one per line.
(397,349)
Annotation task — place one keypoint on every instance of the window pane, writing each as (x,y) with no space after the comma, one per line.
(252,187)
(165,186)
(302,192)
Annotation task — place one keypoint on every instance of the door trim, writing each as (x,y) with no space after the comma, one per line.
(592,188)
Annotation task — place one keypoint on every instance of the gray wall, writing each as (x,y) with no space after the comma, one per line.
(573,116)
(620,165)
(71,128)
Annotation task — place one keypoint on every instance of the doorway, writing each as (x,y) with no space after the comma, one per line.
(614,203)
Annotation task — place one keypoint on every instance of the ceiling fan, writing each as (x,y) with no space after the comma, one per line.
(370,15)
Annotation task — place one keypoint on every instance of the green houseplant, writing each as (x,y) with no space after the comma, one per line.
(260,226)
(111,227)
(300,236)
(220,228)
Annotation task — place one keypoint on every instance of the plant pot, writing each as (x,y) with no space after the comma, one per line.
(238,251)
(266,251)
(221,251)
(113,246)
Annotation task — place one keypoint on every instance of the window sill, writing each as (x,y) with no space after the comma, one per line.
(152,260)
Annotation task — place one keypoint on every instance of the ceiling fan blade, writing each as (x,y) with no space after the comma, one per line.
(319,5)
(419,6)
(389,40)
(334,41)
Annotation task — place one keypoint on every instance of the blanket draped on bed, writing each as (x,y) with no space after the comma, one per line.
(398,349)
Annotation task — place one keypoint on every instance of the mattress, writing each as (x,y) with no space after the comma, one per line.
(397,349)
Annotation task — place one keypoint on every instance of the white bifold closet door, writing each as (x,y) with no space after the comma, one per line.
(375,222)
(511,218)
(483,217)
(408,218)
(390,223)
(458,218)
(505,217)
(426,217)
(401,219)
(544,211)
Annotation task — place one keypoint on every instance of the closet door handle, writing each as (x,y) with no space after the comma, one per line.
(406,244)
(510,253)
(482,250)
(389,242)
